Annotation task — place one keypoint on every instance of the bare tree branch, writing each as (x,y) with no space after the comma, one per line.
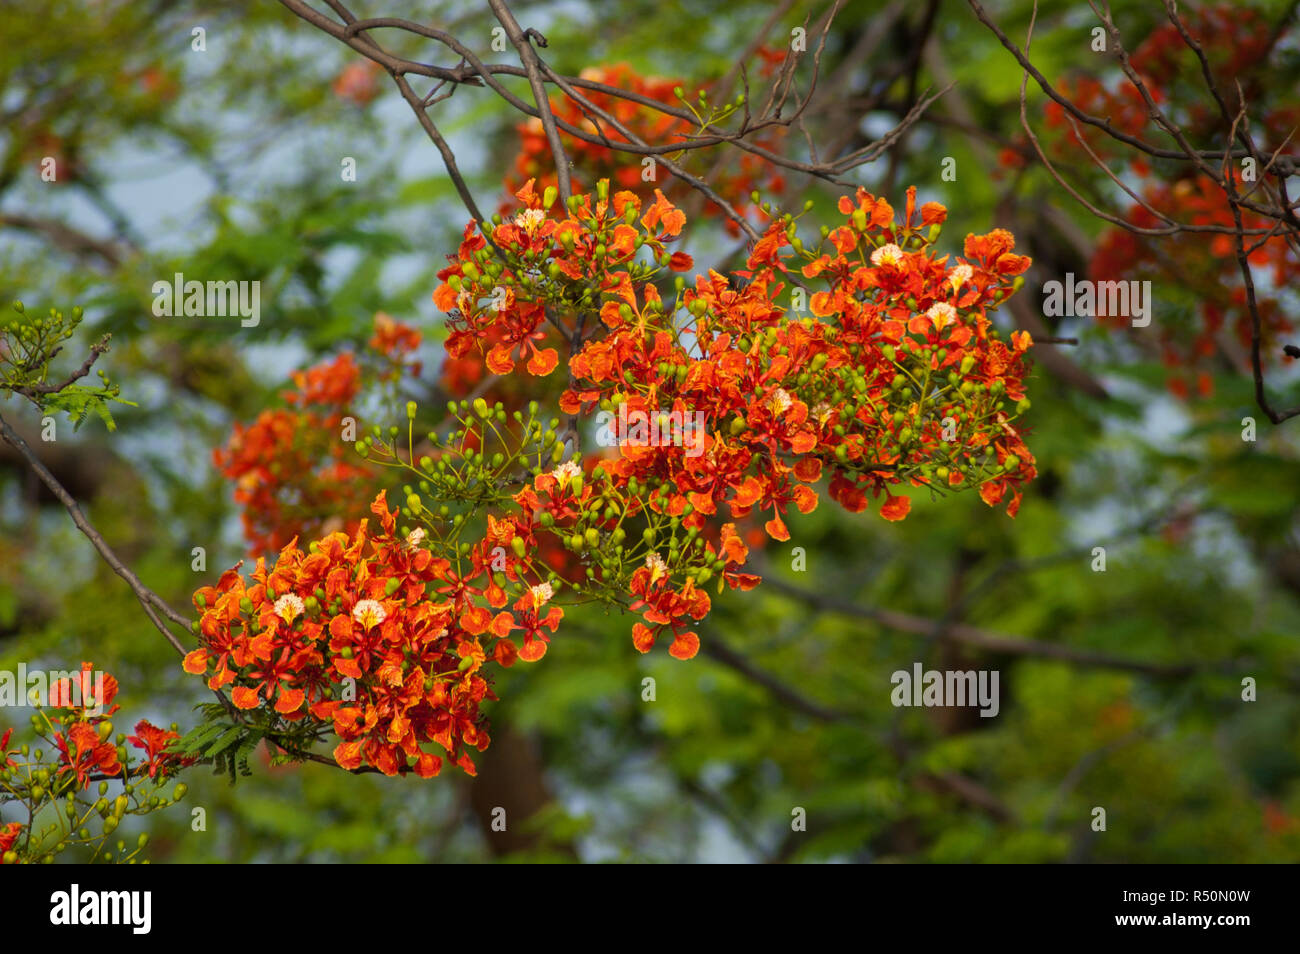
(151,601)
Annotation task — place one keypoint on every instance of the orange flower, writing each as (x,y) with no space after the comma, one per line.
(896,508)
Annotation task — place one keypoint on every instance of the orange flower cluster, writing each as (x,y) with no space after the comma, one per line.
(397,343)
(592,162)
(79,729)
(375,636)
(894,377)
(82,750)
(587,516)
(1238,41)
(82,739)
(1241,46)
(1206,262)
(291,470)
(294,474)
(566,257)
(869,361)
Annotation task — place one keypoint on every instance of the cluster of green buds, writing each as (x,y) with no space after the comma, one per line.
(931,418)
(708,114)
(620,524)
(28,346)
(533,272)
(63,816)
(476,464)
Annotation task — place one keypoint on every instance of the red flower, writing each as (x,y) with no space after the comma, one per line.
(154,741)
(87,754)
(87,690)
(8,836)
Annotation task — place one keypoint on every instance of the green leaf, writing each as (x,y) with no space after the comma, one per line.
(227,740)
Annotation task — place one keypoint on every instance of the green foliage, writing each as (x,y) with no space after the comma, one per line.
(1199,526)
(28,346)
(226,745)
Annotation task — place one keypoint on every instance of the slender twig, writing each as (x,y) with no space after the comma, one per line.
(150,600)
(36,391)
(715,649)
(993,642)
(532,64)
(1287,165)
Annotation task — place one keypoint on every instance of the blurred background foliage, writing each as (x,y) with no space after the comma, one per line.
(1120,689)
